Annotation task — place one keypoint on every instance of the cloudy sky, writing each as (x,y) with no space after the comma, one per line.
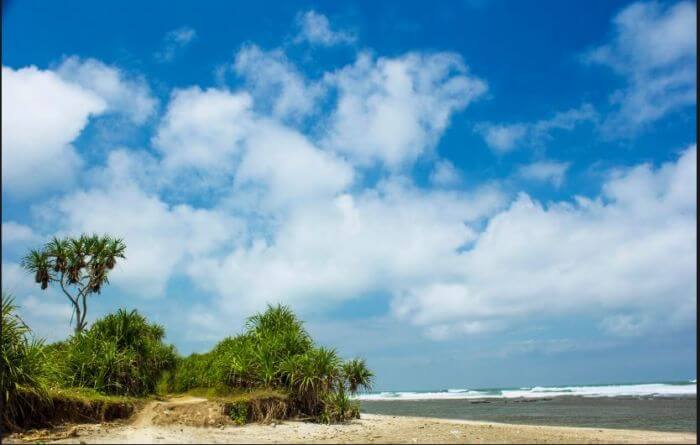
(467,194)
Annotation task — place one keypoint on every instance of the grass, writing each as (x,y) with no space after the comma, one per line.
(236,395)
(88,395)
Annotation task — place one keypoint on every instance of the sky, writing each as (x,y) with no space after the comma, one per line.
(467,194)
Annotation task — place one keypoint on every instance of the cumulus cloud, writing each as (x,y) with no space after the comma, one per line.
(315,29)
(13,232)
(123,93)
(290,167)
(160,237)
(350,246)
(392,110)
(632,250)
(174,41)
(277,86)
(503,138)
(47,115)
(544,171)
(216,133)
(654,48)
(203,129)
(444,174)
(50,109)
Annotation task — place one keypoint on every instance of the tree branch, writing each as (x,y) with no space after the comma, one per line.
(82,322)
(63,288)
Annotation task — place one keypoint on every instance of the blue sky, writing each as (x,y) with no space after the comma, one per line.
(467,194)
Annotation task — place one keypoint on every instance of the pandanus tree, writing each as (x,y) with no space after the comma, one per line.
(357,375)
(79,265)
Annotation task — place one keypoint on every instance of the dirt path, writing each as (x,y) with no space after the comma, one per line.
(149,413)
(174,421)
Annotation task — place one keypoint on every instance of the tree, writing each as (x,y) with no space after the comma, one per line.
(79,265)
(357,375)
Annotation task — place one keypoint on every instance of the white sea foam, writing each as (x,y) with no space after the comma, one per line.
(688,388)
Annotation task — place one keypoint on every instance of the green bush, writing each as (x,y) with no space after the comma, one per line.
(276,352)
(24,369)
(337,407)
(238,412)
(120,354)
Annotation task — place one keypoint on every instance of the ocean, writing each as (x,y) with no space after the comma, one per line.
(666,406)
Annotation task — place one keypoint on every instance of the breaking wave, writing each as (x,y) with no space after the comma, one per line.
(685,388)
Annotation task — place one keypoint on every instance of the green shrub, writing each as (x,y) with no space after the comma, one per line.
(276,352)
(238,412)
(23,367)
(120,354)
(337,407)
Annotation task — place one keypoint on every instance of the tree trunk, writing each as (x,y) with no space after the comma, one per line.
(78,320)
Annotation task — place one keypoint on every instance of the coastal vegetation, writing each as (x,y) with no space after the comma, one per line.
(272,370)
(276,352)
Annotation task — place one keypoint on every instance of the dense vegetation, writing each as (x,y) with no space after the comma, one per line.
(276,352)
(120,354)
(123,354)
(24,375)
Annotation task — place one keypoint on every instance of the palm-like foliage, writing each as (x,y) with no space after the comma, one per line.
(79,265)
(23,368)
(357,375)
(120,354)
(276,352)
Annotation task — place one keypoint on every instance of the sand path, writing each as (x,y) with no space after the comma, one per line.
(371,428)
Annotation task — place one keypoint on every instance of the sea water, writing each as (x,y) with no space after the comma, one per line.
(665,406)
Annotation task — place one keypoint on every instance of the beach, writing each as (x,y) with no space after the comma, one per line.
(370,428)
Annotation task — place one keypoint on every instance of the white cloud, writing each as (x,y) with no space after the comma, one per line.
(348,247)
(13,232)
(290,167)
(174,41)
(631,251)
(215,133)
(203,129)
(50,109)
(393,110)
(544,171)
(654,48)
(315,29)
(627,325)
(47,115)
(128,95)
(160,238)
(503,138)
(445,174)
(275,83)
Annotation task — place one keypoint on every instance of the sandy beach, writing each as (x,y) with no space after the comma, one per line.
(148,427)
